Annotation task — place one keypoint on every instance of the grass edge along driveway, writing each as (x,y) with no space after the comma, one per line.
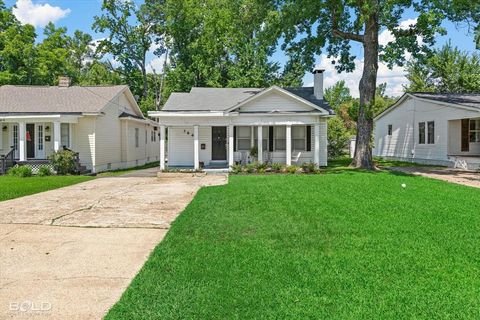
(341,245)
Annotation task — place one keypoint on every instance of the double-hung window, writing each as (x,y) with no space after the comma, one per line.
(243,138)
(390,129)
(421,133)
(65,135)
(137,134)
(299,136)
(431,132)
(280,140)
(474,130)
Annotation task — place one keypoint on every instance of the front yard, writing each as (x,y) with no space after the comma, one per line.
(14,187)
(340,245)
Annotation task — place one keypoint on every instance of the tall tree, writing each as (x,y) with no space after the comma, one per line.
(310,26)
(447,70)
(222,43)
(130,37)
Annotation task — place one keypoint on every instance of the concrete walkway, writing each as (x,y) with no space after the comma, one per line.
(70,253)
(467,178)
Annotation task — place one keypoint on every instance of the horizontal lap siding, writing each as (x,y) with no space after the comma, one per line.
(180,146)
(405,119)
(84,140)
(275,101)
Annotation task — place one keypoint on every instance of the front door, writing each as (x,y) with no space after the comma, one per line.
(30,137)
(465,135)
(219,143)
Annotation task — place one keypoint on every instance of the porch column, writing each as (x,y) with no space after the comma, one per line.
(316,149)
(196,163)
(56,136)
(260,145)
(162,148)
(288,149)
(252,137)
(22,144)
(230,145)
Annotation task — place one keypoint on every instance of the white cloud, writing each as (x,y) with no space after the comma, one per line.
(395,77)
(156,64)
(38,15)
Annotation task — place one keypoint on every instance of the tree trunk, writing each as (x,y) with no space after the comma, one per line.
(368,83)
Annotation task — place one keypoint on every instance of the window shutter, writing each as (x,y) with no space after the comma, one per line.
(270,139)
(1,136)
(309,138)
(234,138)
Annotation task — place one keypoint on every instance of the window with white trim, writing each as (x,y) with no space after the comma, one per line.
(474,130)
(243,138)
(421,132)
(280,141)
(65,134)
(431,132)
(137,136)
(40,137)
(299,138)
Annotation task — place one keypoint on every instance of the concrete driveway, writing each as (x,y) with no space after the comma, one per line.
(71,252)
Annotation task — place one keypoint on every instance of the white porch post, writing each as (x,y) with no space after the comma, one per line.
(22,132)
(162,148)
(316,149)
(288,149)
(230,145)
(252,137)
(196,163)
(56,136)
(260,144)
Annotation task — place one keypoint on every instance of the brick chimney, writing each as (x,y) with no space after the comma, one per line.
(63,82)
(318,83)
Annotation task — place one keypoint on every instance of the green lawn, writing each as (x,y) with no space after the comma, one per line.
(340,245)
(13,187)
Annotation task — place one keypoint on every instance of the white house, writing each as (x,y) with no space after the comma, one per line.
(217,127)
(431,128)
(102,123)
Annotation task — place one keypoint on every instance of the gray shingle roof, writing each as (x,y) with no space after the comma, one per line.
(44,99)
(221,99)
(463,99)
(208,99)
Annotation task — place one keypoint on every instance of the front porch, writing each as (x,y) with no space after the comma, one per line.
(221,146)
(34,139)
(464,143)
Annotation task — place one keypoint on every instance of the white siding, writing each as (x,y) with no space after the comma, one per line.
(275,101)
(404,141)
(84,141)
(108,151)
(180,146)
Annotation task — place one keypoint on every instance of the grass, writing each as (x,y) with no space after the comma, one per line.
(14,187)
(344,162)
(119,172)
(340,245)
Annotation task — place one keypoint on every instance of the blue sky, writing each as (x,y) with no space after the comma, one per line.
(78,14)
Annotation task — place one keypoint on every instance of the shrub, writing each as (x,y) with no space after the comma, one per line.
(250,167)
(277,167)
(292,169)
(44,171)
(20,171)
(63,161)
(309,167)
(338,137)
(237,168)
(261,167)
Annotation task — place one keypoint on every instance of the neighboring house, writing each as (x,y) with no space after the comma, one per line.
(103,124)
(217,127)
(431,128)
